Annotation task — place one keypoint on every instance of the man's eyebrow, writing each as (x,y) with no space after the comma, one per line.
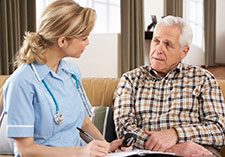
(164,41)
(155,37)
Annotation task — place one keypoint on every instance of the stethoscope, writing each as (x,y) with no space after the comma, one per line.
(58,116)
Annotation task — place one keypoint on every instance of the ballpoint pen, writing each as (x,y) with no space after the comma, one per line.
(85,136)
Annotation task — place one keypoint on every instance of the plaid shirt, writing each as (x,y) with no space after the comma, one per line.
(187,99)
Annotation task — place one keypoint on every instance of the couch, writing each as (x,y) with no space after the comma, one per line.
(100,92)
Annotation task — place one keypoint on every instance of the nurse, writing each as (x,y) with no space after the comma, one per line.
(44,98)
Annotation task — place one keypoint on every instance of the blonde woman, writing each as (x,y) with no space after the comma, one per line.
(44,98)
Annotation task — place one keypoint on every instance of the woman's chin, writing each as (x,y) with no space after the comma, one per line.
(77,55)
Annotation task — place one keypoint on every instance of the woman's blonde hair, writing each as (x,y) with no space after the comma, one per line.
(61,18)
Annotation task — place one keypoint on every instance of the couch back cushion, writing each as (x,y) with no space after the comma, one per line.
(100,90)
(222,86)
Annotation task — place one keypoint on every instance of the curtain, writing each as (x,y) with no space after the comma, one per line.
(210,30)
(173,7)
(16,17)
(132,35)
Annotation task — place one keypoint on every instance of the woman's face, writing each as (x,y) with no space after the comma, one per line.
(75,47)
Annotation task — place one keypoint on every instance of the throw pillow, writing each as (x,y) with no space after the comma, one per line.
(103,120)
(99,117)
(6,144)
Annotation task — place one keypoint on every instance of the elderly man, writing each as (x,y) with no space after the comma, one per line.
(171,106)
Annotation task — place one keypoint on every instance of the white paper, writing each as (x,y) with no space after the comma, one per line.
(136,151)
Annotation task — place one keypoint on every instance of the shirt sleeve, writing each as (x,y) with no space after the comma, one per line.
(210,130)
(18,98)
(124,114)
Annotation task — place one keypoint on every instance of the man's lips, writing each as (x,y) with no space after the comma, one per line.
(158,59)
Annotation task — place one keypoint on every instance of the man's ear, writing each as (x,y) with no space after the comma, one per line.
(184,52)
(62,42)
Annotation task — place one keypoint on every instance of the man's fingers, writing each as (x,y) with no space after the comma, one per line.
(148,132)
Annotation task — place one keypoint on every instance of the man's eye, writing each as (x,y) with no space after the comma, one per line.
(156,41)
(167,44)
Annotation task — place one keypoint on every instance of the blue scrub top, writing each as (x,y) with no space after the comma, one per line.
(30,108)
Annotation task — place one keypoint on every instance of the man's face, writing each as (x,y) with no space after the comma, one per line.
(165,51)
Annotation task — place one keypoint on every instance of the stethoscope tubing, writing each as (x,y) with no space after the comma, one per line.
(78,87)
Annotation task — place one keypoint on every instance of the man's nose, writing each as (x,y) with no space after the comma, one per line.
(159,47)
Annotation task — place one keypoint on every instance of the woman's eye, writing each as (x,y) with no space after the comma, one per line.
(85,38)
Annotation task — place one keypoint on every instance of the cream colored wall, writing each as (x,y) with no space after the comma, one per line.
(220,32)
(100,59)
(152,7)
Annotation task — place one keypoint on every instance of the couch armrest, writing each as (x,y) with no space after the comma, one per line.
(3,78)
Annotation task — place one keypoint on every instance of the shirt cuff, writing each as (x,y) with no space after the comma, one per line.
(20,130)
(142,138)
(183,133)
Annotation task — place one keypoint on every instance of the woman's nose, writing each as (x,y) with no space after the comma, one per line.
(87,42)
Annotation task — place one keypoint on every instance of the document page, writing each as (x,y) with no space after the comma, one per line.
(138,152)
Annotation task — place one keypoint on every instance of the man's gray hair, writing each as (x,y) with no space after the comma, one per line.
(186,31)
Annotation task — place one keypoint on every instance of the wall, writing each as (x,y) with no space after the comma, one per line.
(152,7)
(100,59)
(220,32)
(195,56)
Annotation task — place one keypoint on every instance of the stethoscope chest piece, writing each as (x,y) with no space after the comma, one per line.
(58,118)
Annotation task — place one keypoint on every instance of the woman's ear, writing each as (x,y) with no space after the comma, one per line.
(62,42)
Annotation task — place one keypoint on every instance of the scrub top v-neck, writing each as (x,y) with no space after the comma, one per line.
(30,109)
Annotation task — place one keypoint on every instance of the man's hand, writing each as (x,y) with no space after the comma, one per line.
(161,140)
(189,149)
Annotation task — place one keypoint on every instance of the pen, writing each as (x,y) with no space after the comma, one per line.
(87,138)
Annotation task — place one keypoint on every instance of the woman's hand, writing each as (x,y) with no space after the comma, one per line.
(95,148)
(116,145)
